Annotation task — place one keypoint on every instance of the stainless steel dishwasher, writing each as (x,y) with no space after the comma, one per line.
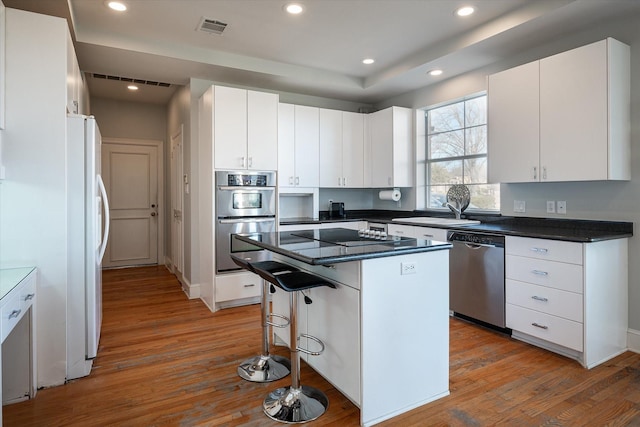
(476,276)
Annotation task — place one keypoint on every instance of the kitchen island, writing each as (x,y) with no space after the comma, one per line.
(386,324)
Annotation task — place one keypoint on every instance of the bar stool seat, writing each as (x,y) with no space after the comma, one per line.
(264,367)
(296,403)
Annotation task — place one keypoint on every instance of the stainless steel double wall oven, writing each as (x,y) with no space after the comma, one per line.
(245,204)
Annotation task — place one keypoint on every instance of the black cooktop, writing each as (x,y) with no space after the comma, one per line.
(346,237)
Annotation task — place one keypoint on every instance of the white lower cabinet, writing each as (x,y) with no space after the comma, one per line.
(417,232)
(568,297)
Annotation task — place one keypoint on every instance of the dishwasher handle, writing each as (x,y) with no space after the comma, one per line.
(476,246)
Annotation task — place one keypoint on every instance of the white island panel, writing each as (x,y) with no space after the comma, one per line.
(405,334)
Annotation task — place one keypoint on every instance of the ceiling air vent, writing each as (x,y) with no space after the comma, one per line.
(131,80)
(211,26)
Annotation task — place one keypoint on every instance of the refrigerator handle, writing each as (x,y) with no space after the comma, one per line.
(107,218)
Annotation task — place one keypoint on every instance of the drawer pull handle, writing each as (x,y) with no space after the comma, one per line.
(428,235)
(540,250)
(539,326)
(537,298)
(29,297)
(15,313)
(250,285)
(540,272)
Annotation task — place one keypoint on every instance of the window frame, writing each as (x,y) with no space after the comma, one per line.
(429,161)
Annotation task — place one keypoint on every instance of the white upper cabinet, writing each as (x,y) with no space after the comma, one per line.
(75,82)
(341,149)
(389,160)
(298,146)
(563,118)
(245,129)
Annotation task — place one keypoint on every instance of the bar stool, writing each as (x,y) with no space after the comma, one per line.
(296,403)
(264,367)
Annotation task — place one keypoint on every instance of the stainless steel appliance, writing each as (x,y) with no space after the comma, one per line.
(476,276)
(245,204)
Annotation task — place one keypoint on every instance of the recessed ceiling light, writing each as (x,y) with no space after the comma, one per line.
(368,61)
(293,8)
(465,11)
(132,87)
(116,5)
(435,72)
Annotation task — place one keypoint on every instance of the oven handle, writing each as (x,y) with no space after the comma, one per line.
(244,188)
(245,220)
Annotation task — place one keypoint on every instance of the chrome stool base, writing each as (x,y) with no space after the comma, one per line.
(291,405)
(264,369)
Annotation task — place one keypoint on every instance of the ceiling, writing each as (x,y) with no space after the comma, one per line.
(318,52)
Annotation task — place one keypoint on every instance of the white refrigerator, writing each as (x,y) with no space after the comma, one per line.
(88,230)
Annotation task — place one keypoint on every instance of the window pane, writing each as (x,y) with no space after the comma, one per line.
(448,144)
(475,171)
(476,140)
(484,196)
(449,117)
(445,172)
(437,196)
(476,111)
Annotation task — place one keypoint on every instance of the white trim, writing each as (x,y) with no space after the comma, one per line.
(633,340)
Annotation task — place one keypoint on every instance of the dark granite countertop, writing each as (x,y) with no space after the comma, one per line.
(335,245)
(573,230)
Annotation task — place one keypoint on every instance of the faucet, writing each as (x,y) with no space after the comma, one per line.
(455,209)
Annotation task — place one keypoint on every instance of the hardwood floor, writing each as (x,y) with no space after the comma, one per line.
(165,360)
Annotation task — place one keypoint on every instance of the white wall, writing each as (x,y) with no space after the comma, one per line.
(33,209)
(613,201)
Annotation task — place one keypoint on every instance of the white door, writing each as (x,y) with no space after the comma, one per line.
(130,174)
(177,202)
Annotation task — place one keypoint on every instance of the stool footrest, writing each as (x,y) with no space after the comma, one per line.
(307,351)
(279,325)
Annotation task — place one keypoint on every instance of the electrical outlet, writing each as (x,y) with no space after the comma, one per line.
(562,207)
(519,206)
(407,268)
(551,206)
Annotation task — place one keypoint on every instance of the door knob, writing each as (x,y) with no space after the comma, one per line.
(153,205)
(153,214)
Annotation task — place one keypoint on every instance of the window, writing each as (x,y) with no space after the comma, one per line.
(457,153)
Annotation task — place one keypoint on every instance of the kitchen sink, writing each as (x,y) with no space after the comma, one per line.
(437,221)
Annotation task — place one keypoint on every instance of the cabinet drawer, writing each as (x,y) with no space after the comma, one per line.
(554,329)
(429,233)
(11,313)
(237,286)
(559,303)
(347,273)
(399,230)
(552,274)
(28,293)
(545,249)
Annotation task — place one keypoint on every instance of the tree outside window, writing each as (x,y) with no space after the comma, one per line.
(457,153)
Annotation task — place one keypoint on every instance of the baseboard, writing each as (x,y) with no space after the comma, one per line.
(633,340)
(191,290)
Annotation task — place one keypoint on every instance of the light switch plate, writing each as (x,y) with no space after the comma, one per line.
(551,206)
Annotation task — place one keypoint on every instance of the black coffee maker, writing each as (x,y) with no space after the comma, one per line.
(336,210)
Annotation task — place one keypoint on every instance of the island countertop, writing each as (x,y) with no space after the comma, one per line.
(335,245)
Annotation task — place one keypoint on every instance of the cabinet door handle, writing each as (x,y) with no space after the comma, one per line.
(251,285)
(535,173)
(339,181)
(537,298)
(540,250)
(544,172)
(399,232)
(290,180)
(428,235)
(537,325)
(29,297)
(540,272)
(297,180)
(344,182)
(14,313)
(242,161)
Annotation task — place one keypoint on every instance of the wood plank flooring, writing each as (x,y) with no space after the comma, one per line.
(165,360)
